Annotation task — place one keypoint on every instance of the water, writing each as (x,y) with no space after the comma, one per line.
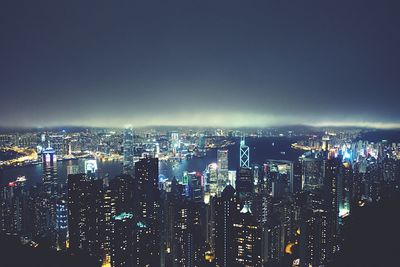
(34,173)
(260,150)
(7,155)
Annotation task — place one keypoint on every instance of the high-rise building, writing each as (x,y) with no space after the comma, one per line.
(325,143)
(297,176)
(332,170)
(188,241)
(312,173)
(12,208)
(247,239)
(196,186)
(61,224)
(232,178)
(212,179)
(121,193)
(129,150)
(280,177)
(147,213)
(84,214)
(171,199)
(223,172)
(244,154)
(344,189)
(314,238)
(226,210)
(244,181)
(202,141)
(175,143)
(122,240)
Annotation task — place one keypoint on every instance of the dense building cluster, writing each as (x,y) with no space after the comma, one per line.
(270,213)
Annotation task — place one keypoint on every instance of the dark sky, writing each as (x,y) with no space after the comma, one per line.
(204,62)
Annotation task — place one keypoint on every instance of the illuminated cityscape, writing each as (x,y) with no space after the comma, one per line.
(200,133)
(239,208)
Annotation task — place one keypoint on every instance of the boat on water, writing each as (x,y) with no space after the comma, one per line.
(20,179)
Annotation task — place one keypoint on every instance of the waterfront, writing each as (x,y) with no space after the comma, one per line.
(260,150)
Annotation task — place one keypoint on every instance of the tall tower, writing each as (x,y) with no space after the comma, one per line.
(212,178)
(84,214)
(61,224)
(175,144)
(246,239)
(244,154)
(147,213)
(223,176)
(128,150)
(122,240)
(226,210)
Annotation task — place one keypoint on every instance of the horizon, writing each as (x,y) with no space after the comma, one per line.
(362,125)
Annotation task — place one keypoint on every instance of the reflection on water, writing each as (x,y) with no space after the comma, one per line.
(34,173)
(260,150)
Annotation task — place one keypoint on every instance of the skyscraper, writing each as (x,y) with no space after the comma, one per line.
(121,193)
(175,143)
(244,154)
(244,181)
(129,150)
(246,239)
(84,214)
(280,176)
(232,178)
(187,248)
(226,209)
(223,172)
(332,170)
(212,179)
(122,240)
(61,224)
(196,187)
(147,213)
(312,173)
(313,238)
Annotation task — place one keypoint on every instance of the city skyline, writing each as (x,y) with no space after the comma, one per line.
(197,197)
(148,63)
(209,133)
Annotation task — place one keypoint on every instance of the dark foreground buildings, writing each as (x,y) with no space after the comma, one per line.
(278,213)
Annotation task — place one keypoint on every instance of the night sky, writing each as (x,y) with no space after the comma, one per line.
(204,62)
